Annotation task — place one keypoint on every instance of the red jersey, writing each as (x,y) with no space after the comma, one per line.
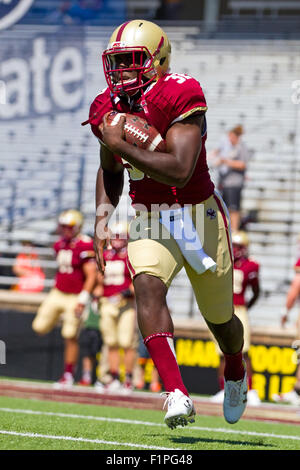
(171,99)
(245,274)
(116,276)
(70,256)
(297,266)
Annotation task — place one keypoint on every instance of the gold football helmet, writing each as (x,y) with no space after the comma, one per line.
(71,218)
(119,228)
(240,243)
(240,238)
(150,53)
(119,234)
(70,223)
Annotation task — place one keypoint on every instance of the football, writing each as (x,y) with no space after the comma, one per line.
(138,132)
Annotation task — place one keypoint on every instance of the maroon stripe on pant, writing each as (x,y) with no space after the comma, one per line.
(225,223)
(130,266)
(228,240)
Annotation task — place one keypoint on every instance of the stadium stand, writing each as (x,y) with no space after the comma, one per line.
(48,163)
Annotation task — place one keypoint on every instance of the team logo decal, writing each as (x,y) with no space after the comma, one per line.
(11,11)
(117,45)
(211,213)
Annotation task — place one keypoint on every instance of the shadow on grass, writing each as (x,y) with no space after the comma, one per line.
(194,440)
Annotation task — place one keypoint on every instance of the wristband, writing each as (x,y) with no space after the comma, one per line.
(84,297)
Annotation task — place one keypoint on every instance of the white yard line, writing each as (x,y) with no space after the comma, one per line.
(81,439)
(148,423)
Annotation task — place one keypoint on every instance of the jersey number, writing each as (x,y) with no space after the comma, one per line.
(179,77)
(238,279)
(64,260)
(114,273)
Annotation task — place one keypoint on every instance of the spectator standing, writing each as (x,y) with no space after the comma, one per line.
(230,160)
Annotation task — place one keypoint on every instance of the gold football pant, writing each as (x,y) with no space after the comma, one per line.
(118,322)
(55,305)
(162,257)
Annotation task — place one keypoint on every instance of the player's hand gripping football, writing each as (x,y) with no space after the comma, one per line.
(113,134)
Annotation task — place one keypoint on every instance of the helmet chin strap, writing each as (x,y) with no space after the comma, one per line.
(131,100)
(144,105)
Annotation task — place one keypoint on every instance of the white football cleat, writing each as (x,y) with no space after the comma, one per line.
(235,399)
(253,398)
(99,386)
(114,386)
(66,382)
(291,397)
(218,397)
(181,410)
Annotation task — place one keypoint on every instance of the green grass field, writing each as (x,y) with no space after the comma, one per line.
(47,425)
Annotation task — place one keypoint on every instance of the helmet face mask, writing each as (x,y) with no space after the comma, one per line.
(127,75)
(148,55)
(239,251)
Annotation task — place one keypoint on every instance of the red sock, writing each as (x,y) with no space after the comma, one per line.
(234,368)
(249,382)
(69,368)
(221,383)
(161,350)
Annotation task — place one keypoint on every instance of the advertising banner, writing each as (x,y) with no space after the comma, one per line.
(274,367)
(42,75)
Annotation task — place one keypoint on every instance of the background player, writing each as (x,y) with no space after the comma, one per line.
(90,339)
(245,276)
(117,310)
(136,66)
(74,282)
(293,295)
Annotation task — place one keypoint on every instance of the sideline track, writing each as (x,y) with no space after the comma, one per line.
(140,400)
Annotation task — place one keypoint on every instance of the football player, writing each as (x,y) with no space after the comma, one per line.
(74,281)
(117,310)
(293,294)
(136,67)
(245,276)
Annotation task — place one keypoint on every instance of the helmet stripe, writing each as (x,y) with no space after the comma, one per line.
(120,32)
(161,42)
